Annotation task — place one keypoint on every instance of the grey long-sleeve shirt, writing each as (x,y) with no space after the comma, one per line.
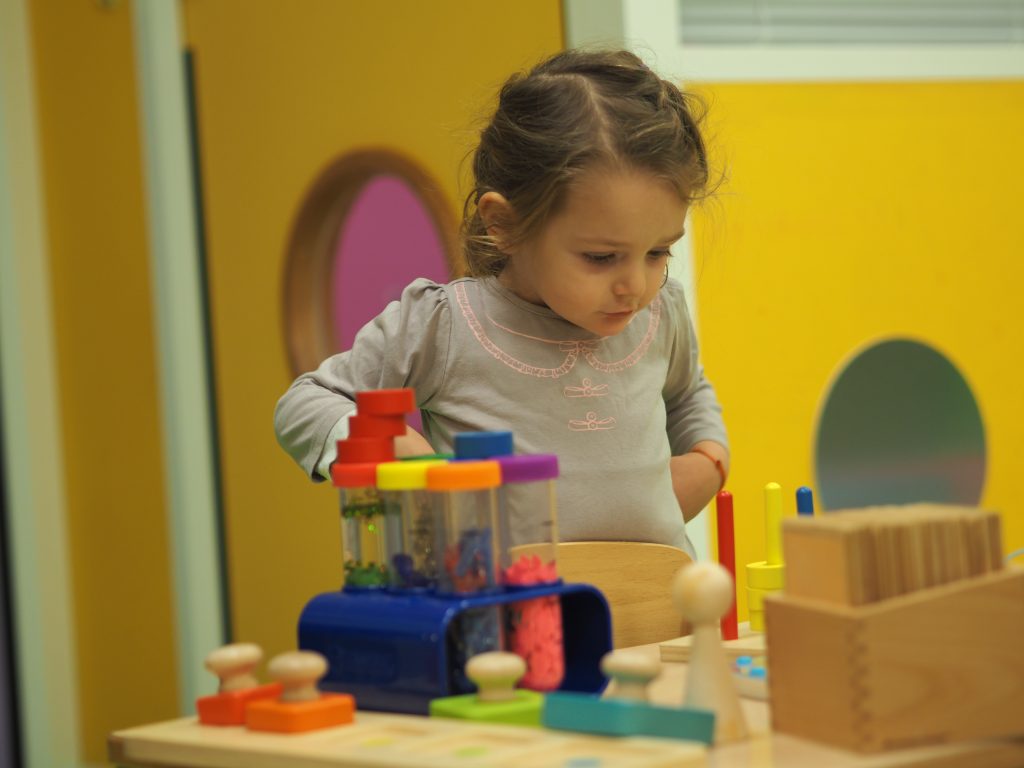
(613,409)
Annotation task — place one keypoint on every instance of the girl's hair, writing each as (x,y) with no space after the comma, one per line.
(570,113)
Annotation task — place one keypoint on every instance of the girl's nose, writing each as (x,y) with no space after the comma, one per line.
(631,281)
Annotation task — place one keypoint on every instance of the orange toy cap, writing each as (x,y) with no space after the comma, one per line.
(464,476)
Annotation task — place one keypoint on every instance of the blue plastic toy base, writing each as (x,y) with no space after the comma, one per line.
(393,651)
(618,717)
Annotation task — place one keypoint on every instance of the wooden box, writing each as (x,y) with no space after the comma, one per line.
(865,555)
(933,666)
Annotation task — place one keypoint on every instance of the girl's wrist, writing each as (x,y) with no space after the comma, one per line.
(716,461)
(695,481)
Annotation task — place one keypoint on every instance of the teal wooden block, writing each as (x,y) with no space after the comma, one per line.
(618,717)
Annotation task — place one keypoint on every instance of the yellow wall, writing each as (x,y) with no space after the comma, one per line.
(854,212)
(839,198)
(106,360)
(283,89)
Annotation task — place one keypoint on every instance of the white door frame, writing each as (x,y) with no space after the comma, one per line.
(44,631)
(189,459)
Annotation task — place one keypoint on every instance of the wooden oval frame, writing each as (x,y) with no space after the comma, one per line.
(309,258)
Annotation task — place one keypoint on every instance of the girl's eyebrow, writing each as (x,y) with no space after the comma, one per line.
(618,244)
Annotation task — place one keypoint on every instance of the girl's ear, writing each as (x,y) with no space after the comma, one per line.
(498,216)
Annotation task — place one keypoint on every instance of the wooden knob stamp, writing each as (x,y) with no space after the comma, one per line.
(495,674)
(234,665)
(632,672)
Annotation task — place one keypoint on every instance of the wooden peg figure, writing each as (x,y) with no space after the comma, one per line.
(702,593)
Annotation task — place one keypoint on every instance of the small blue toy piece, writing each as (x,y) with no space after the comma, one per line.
(482,445)
(620,717)
(804,501)
(750,674)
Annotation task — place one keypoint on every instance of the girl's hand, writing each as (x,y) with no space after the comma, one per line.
(412,443)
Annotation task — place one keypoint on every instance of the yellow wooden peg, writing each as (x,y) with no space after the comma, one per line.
(768,575)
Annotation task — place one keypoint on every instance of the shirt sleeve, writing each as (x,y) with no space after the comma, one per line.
(406,345)
(693,412)
(330,452)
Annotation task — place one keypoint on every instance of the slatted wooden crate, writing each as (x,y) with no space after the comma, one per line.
(934,664)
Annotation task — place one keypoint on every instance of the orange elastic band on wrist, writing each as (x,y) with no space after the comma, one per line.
(713,460)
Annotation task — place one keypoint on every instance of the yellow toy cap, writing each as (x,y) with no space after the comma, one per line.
(404,475)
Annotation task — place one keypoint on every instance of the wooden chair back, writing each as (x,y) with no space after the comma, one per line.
(636,579)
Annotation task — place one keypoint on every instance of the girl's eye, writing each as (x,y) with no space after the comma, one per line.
(599,258)
(664,253)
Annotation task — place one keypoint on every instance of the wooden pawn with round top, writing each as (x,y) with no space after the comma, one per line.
(702,593)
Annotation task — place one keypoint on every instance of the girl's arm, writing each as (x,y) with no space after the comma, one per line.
(695,477)
(405,346)
(412,443)
(694,423)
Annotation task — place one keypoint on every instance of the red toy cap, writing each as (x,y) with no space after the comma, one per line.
(353,475)
(359,450)
(362,425)
(386,402)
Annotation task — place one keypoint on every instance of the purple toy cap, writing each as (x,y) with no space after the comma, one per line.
(528,467)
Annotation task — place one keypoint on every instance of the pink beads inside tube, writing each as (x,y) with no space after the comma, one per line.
(535,626)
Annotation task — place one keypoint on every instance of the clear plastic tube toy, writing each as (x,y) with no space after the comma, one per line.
(412,554)
(528,526)
(363,525)
(465,494)
(368,530)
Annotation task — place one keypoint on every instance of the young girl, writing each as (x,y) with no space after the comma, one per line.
(568,333)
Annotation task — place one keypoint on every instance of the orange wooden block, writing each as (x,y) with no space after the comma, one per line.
(297,716)
(229,708)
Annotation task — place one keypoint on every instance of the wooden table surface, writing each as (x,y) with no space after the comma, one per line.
(767,750)
(183,744)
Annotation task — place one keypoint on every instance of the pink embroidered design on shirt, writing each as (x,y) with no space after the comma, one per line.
(588,389)
(572,348)
(633,357)
(591,423)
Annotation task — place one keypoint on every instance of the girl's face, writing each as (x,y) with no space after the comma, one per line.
(603,257)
